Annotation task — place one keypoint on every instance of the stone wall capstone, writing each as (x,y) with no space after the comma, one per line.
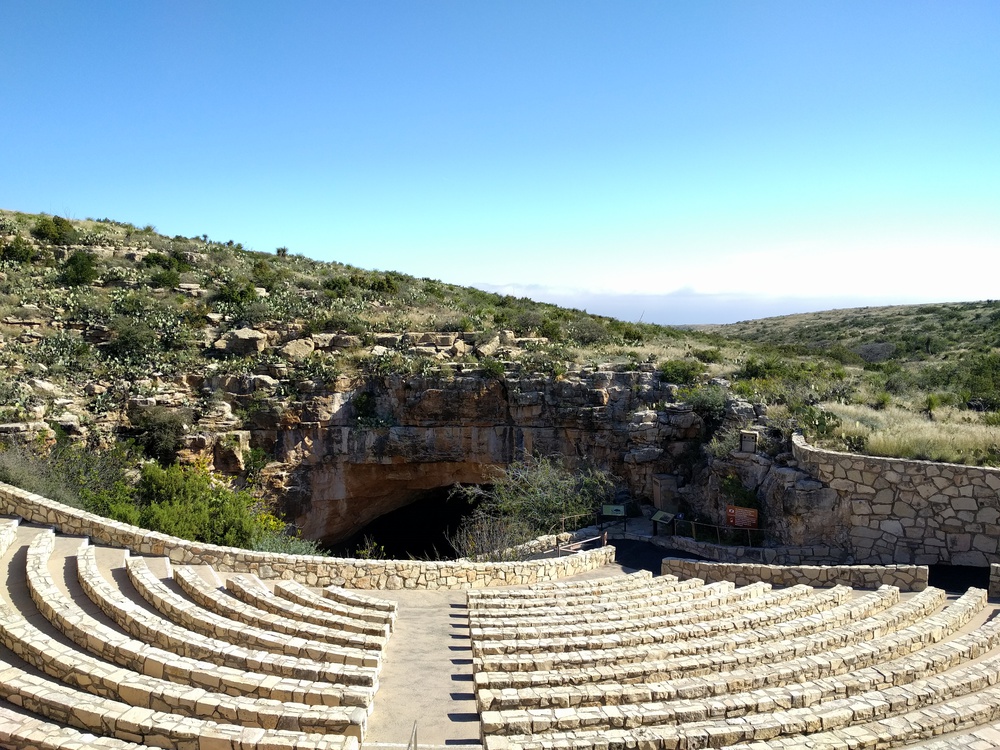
(906,511)
(307,569)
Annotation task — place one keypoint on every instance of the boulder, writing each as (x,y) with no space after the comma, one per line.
(242,341)
(298,349)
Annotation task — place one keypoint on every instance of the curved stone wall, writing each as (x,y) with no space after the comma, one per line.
(905,577)
(917,512)
(307,569)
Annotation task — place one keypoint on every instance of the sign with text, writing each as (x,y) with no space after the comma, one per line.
(743,518)
(661,516)
(613,510)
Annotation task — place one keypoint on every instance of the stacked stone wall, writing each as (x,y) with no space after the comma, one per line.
(307,569)
(904,577)
(905,511)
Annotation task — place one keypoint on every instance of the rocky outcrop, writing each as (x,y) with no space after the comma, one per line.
(350,457)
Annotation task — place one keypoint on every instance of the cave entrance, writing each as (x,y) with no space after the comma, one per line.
(418,530)
(958,578)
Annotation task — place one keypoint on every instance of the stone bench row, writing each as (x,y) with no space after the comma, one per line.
(151,628)
(665,707)
(809,602)
(67,706)
(104,714)
(601,593)
(191,616)
(605,606)
(610,686)
(114,646)
(214,599)
(76,668)
(801,718)
(567,588)
(338,601)
(876,612)
(252,591)
(24,731)
(755,597)
(957,715)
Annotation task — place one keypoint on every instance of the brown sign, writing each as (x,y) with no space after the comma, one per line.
(744,518)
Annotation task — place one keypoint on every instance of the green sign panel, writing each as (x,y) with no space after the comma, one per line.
(613,510)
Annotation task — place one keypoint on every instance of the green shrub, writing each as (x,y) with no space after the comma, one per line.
(54,230)
(18,250)
(237,291)
(131,340)
(680,371)
(184,501)
(492,368)
(79,269)
(708,356)
(529,498)
(160,431)
(167,278)
(708,402)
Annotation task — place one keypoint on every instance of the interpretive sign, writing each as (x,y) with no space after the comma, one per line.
(749,440)
(661,516)
(613,510)
(743,518)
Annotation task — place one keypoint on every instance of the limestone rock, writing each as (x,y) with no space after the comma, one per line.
(242,341)
(298,349)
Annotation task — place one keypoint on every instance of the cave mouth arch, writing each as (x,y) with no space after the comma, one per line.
(418,530)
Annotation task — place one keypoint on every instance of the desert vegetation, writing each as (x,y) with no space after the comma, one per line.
(97,315)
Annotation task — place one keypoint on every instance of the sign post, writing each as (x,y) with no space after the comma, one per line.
(661,516)
(616,511)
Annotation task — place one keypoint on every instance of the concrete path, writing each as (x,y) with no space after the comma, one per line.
(427,675)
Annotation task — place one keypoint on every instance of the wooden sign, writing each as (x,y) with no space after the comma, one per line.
(743,518)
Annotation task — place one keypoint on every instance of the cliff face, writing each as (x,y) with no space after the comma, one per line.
(348,457)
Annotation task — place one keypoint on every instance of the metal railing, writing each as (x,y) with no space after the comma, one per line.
(412,744)
(710,532)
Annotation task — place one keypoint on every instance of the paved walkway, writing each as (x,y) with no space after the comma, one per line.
(427,675)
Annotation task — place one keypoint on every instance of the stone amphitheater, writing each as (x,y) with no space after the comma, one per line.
(112,637)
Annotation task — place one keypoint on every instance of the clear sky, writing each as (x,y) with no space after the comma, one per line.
(679,161)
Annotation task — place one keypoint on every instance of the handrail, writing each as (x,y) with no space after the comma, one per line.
(412,744)
(754,537)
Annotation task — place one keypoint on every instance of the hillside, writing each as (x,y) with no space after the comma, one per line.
(139,368)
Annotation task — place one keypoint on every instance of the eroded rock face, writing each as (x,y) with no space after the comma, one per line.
(344,468)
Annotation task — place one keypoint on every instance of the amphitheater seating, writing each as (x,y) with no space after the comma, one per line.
(837,669)
(355,607)
(71,678)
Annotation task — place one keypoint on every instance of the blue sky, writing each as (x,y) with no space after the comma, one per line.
(679,162)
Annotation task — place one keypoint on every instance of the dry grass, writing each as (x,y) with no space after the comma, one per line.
(952,435)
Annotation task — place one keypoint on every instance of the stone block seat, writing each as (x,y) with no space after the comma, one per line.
(251,590)
(215,599)
(193,616)
(794,667)
(58,689)
(340,602)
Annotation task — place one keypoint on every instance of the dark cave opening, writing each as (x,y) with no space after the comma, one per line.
(958,578)
(419,530)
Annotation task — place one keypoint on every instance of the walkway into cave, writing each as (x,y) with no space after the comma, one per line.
(419,530)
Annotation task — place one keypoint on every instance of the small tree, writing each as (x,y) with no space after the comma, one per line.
(80,269)
(529,498)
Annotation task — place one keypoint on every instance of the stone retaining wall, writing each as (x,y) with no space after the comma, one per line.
(818,554)
(994,581)
(308,569)
(905,577)
(904,511)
